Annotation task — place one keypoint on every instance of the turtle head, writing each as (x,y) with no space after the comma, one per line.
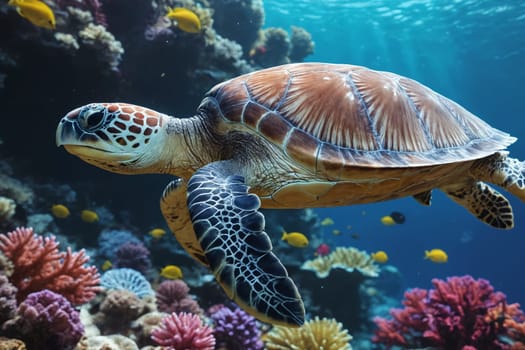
(117,137)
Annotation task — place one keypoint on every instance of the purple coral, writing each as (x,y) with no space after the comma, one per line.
(46,320)
(172,296)
(183,331)
(451,316)
(134,256)
(236,330)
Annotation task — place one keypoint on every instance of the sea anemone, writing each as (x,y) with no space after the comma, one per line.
(326,334)
(236,330)
(183,331)
(172,296)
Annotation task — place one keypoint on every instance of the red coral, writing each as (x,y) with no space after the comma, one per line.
(183,331)
(451,316)
(39,265)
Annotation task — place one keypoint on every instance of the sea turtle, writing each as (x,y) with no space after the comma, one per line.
(296,136)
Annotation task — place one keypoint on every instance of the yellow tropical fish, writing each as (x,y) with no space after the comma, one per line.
(157,233)
(327,222)
(380,256)
(106,265)
(436,255)
(336,232)
(172,272)
(387,220)
(187,20)
(295,239)
(88,216)
(60,211)
(36,12)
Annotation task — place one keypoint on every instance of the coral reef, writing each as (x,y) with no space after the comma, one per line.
(184,331)
(106,342)
(343,271)
(144,326)
(7,300)
(98,38)
(118,309)
(110,240)
(47,321)
(326,334)
(134,256)
(15,189)
(453,315)
(238,20)
(301,44)
(39,265)
(236,330)
(172,296)
(126,279)
(273,48)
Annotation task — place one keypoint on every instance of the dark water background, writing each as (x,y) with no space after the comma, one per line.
(470,51)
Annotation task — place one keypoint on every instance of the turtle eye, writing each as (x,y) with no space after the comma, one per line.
(93,120)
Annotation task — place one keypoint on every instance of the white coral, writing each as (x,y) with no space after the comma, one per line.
(98,37)
(7,208)
(67,40)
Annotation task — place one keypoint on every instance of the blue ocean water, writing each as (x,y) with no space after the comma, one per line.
(472,51)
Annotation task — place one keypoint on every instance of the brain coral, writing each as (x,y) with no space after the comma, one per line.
(316,334)
(127,279)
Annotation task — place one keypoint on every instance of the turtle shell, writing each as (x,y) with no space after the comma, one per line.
(329,117)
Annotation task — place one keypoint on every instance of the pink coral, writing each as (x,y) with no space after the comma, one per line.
(451,316)
(40,265)
(172,296)
(183,331)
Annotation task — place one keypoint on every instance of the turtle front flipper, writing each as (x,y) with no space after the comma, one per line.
(175,212)
(230,230)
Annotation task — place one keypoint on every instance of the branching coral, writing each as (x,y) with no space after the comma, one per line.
(453,315)
(347,258)
(39,265)
(47,321)
(183,331)
(236,330)
(326,334)
(172,296)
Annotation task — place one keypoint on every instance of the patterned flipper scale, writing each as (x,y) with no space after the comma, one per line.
(230,230)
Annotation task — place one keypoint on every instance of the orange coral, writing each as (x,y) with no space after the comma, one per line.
(40,265)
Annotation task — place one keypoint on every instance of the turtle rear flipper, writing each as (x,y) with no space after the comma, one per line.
(231,233)
(509,173)
(484,202)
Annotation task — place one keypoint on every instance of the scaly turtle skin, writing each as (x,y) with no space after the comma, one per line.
(296,136)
